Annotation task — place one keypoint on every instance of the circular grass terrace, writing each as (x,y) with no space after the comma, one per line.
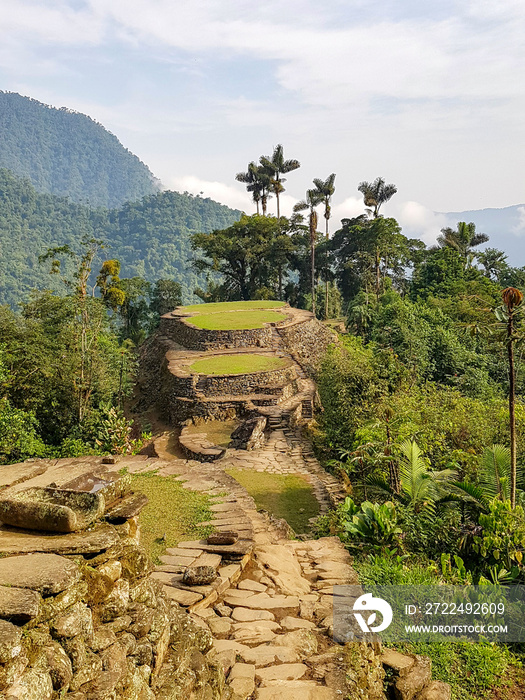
(246,363)
(234,315)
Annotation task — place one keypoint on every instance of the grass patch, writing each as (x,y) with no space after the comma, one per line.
(474,670)
(236,320)
(282,495)
(172,513)
(233,306)
(237,364)
(217,431)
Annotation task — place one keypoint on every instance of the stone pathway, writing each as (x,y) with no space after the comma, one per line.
(270,609)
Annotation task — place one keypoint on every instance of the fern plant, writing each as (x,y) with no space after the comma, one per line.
(494,479)
(421,487)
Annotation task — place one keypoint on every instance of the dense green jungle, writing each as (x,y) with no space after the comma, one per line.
(423,415)
(69,154)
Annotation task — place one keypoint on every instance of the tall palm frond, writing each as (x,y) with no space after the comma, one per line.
(375,194)
(251,178)
(495,472)
(462,239)
(494,478)
(326,189)
(420,483)
(275,166)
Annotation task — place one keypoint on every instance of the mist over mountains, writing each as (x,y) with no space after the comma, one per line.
(505,226)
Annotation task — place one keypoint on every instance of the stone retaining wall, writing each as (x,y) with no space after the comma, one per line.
(241,384)
(94,626)
(181,331)
(307,342)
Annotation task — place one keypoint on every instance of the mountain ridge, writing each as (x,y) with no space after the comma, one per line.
(150,238)
(67,153)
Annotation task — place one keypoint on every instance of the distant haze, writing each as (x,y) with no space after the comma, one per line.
(506,228)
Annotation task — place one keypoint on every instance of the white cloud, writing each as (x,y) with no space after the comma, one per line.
(218,191)
(350,208)
(357,85)
(418,221)
(519,228)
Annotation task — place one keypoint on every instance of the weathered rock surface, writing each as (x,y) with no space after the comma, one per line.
(10,638)
(435,690)
(419,676)
(18,604)
(50,509)
(90,542)
(224,537)
(48,574)
(199,575)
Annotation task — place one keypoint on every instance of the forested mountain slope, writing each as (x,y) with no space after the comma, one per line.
(150,237)
(69,154)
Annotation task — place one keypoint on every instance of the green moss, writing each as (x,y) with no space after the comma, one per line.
(283,495)
(237,364)
(172,513)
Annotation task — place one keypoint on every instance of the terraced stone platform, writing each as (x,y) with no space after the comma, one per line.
(285,394)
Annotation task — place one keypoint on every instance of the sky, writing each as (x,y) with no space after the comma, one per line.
(428,95)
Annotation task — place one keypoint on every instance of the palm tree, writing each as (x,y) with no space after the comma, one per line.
(258,182)
(312,200)
(326,189)
(375,194)
(252,181)
(275,167)
(494,261)
(463,239)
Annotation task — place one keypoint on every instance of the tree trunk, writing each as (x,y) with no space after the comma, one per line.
(280,283)
(378,273)
(393,468)
(512,416)
(326,273)
(312,249)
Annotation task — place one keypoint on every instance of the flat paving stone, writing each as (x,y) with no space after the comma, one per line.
(254,636)
(178,561)
(239,549)
(268,654)
(226,644)
(295,690)
(246,615)
(48,574)
(181,597)
(242,680)
(282,672)
(249,585)
(180,552)
(262,601)
(221,508)
(208,559)
(296,623)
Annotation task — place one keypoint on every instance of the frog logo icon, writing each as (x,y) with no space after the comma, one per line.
(367,602)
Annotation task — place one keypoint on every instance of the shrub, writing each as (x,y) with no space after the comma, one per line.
(372,524)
